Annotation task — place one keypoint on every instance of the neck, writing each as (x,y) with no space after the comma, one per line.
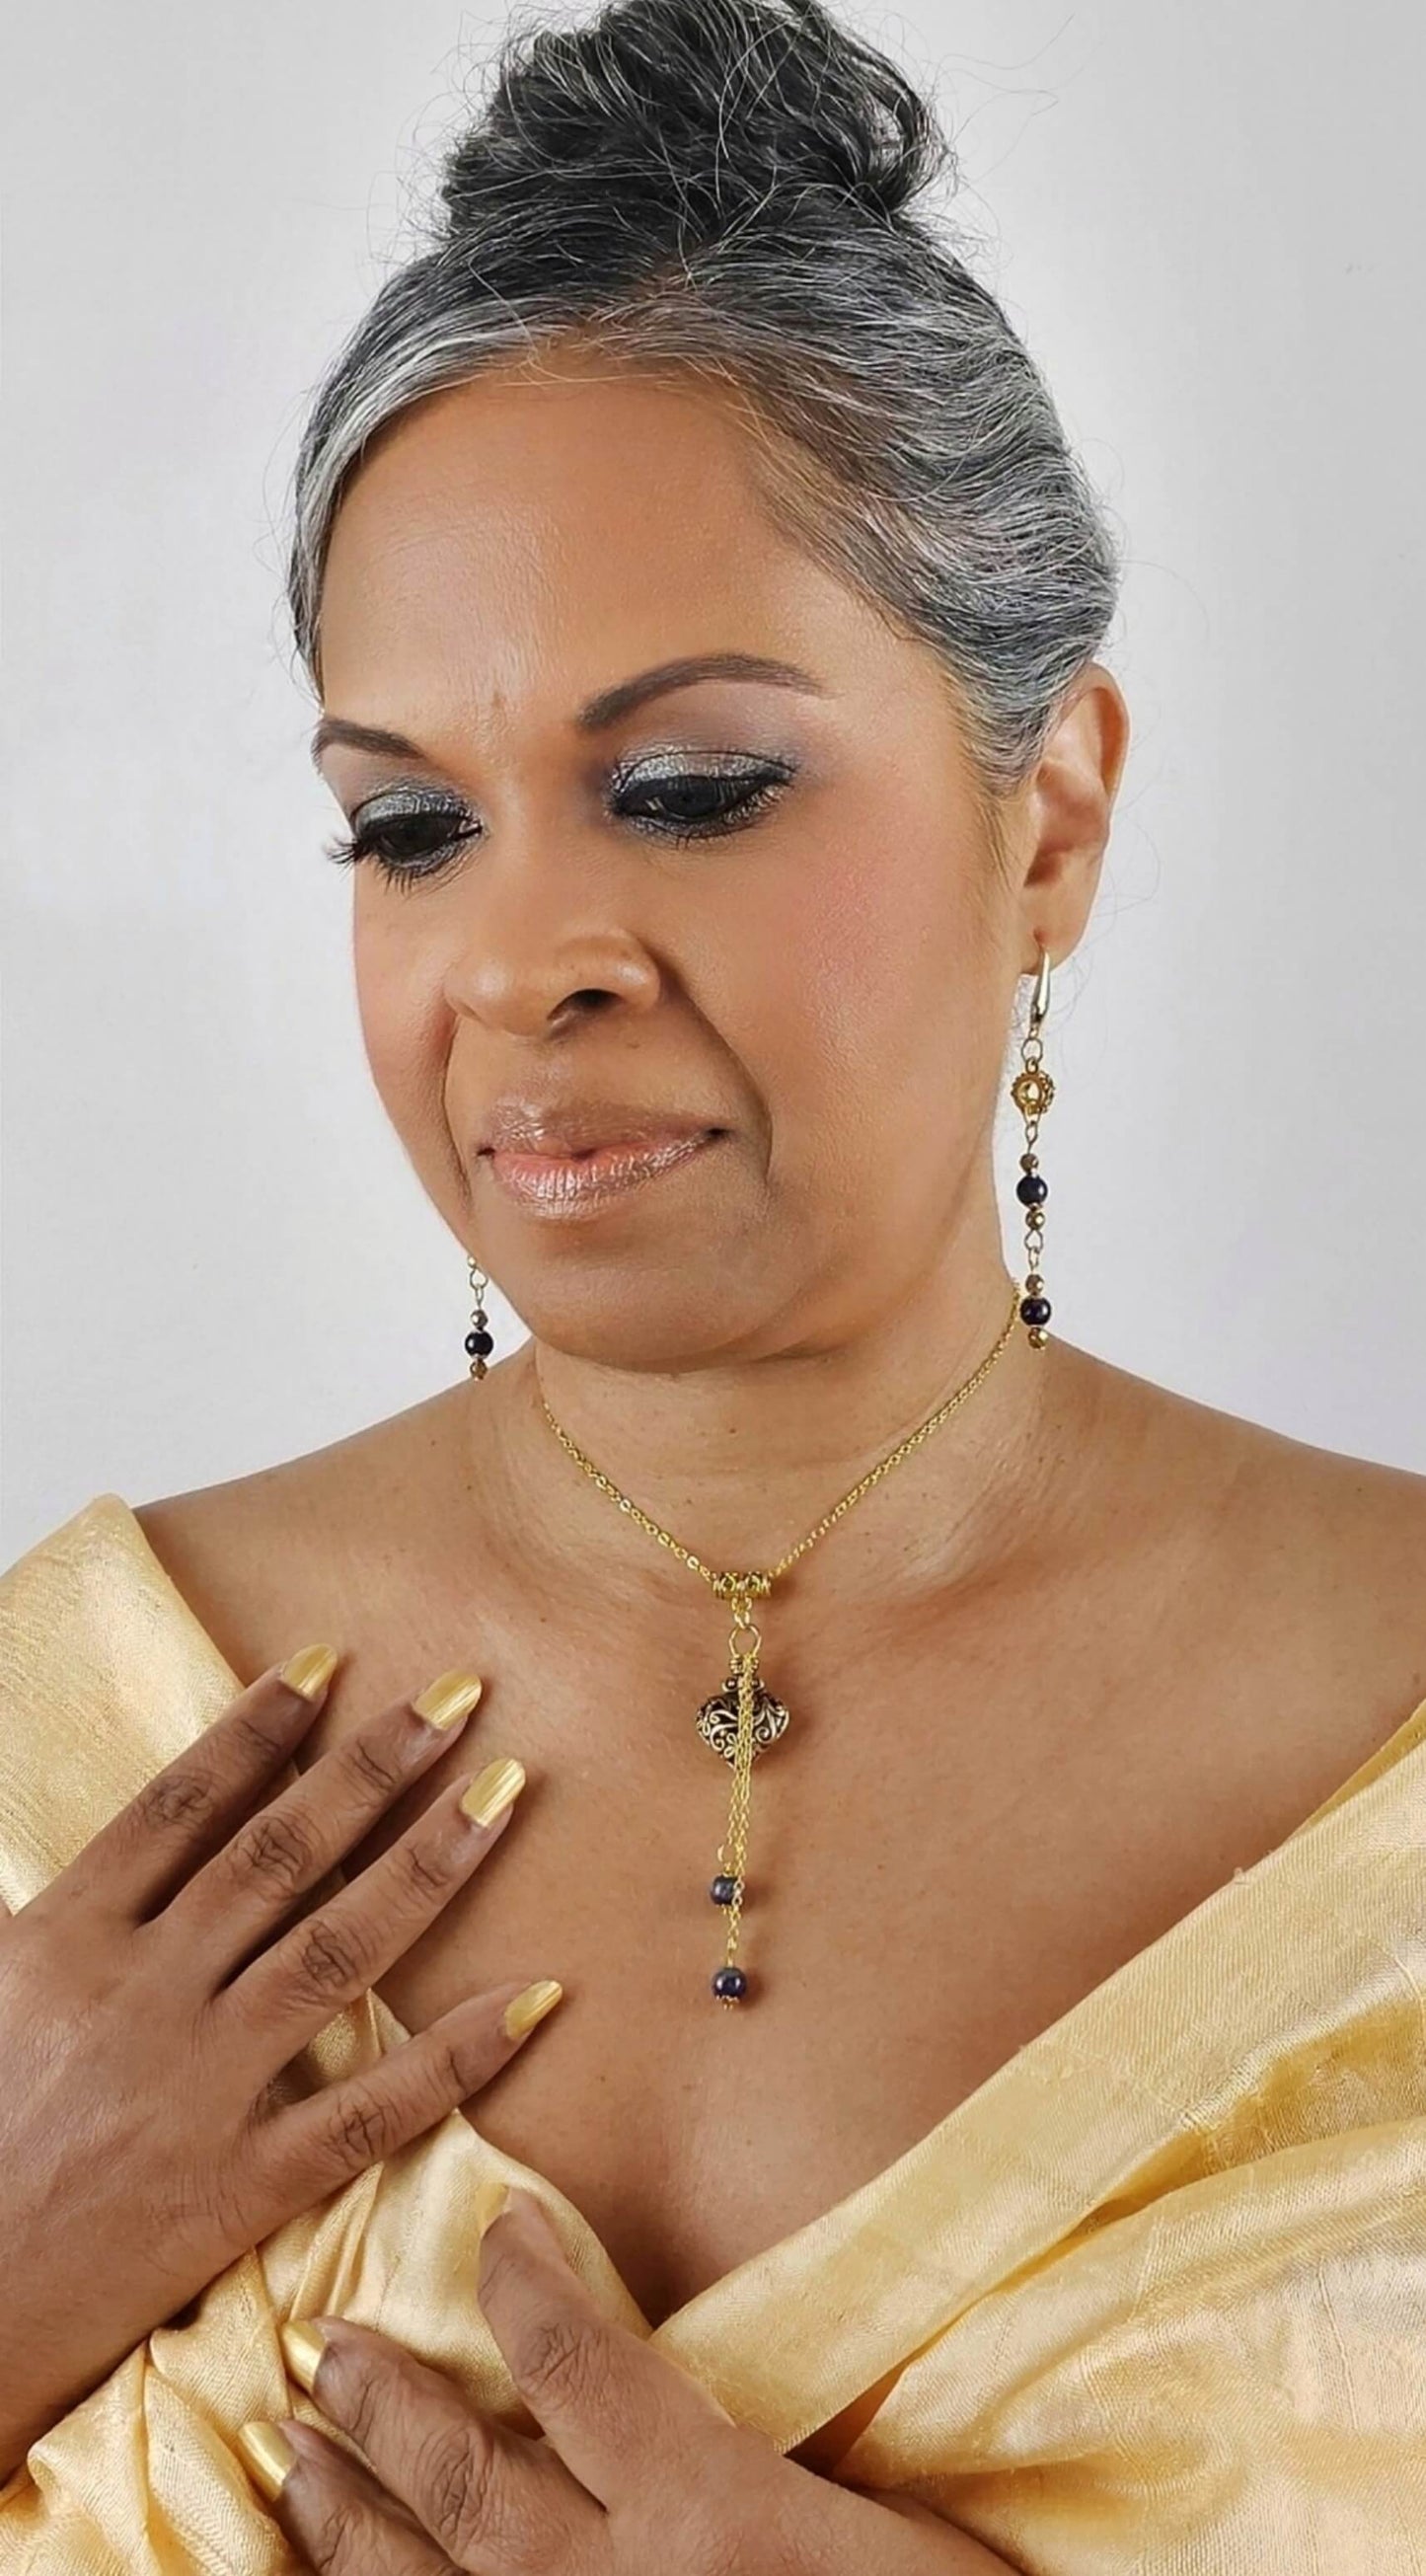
(739,1461)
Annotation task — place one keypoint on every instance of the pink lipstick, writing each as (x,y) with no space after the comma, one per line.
(568,1184)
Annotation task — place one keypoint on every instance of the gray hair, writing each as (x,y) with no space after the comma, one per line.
(719,189)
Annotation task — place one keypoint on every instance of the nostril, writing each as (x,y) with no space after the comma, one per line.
(590,999)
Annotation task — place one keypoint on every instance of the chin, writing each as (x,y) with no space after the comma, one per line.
(632,1327)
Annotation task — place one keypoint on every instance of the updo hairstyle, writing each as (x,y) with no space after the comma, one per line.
(725,190)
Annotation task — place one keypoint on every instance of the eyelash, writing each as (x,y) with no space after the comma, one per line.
(752,799)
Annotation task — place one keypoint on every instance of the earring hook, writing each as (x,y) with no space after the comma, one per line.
(1040,998)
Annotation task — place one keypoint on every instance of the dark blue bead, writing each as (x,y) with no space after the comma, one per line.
(480,1345)
(1032,1189)
(723,1890)
(730,1982)
(1035,1310)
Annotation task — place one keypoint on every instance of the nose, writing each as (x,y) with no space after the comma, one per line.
(544,942)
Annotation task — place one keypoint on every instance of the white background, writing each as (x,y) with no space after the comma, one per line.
(1207,222)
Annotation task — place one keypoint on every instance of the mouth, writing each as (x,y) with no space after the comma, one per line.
(567,1184)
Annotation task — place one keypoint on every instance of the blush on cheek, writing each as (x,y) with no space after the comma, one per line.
(843,957)
(880,1003)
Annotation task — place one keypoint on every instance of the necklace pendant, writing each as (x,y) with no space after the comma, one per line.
(718,1719)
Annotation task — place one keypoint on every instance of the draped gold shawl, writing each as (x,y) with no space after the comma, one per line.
(1152,2299)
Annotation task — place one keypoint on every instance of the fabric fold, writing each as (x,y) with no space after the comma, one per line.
(1150,2302)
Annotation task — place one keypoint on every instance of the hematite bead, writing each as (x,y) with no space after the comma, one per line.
(1035,1310)
(731,1984)
(480,1345)
(723,1890)
(1032,1189)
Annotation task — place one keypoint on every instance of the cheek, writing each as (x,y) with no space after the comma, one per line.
(404,1021)
(871,989)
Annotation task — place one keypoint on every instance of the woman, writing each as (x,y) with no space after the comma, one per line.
(982,2126)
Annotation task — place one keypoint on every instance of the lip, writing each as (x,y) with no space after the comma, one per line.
(572,1127)
(564,1184)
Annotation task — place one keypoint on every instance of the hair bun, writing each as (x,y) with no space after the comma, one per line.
(710,104)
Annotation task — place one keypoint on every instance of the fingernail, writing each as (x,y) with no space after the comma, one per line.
(522,2013)
(450,1697)
(493,1790)
(303,2344)
(267,2455)
(310,1671)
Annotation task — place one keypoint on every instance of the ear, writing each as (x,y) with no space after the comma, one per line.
(1066,808)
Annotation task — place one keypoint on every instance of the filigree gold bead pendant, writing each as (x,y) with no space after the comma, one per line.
(718,1720)
(1032,1091)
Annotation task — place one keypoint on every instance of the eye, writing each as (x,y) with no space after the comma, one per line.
(408,834)
(412,834)
(699,804)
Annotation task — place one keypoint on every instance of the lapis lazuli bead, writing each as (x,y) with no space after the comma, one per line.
(1035,1310)
(723,1890)
(1032,1189)
(731,1984)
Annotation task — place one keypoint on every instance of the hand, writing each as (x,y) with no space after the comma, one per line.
(151,1999)
(636,2466)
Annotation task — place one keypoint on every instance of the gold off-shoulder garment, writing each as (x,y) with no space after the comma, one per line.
(1150,2302)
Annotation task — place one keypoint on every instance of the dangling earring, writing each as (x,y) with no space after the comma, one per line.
(479,1341)
(1032,1091)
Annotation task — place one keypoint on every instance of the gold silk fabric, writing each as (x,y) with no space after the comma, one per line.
(1152,2299)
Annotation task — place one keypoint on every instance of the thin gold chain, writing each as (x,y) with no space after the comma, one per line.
(726,1584)
(742,1589)
(733,1855)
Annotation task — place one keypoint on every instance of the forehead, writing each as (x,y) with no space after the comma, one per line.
(538,527)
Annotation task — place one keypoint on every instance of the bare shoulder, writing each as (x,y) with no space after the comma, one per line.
(1302,1568)
(1186,1445)
(1321,1506)
(322,1546)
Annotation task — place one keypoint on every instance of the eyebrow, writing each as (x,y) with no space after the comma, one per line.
(604,709)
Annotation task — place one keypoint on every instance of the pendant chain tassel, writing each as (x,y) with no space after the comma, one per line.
(733,1857)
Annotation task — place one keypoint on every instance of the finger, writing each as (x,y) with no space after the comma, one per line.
(490,2498)
(146,1851)
(293,1841)
(330,1958)
(309,2148)
(333,2508)
(620,2415)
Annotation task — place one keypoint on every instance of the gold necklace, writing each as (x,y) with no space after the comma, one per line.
(743,1718)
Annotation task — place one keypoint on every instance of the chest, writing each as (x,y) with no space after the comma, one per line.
(943,1858)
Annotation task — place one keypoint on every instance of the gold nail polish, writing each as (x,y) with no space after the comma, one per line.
(310,1671)
(267,2455)
(303,2345)
(493,1790)
(523,2011)
(453,1695)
